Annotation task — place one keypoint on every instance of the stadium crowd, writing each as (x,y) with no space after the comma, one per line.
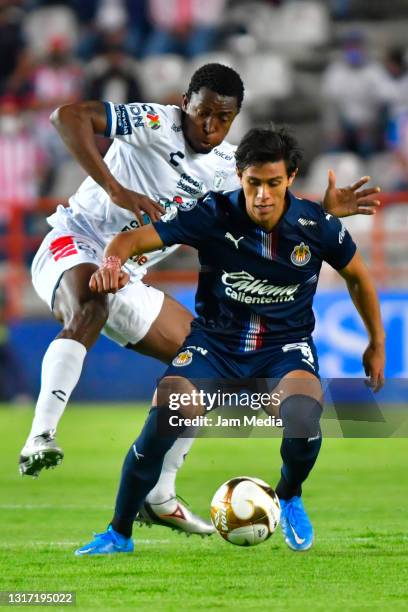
(309,63)
(335,70)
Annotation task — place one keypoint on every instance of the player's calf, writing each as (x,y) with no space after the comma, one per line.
(299,450)
(83,316)
(141,469)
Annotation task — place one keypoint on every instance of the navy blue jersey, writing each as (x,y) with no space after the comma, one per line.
(256,287)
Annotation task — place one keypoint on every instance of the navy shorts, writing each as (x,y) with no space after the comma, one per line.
(202,357)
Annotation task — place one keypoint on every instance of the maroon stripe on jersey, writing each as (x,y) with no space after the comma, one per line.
(261,334)
(63,247)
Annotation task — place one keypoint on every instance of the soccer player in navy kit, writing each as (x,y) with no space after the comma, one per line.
(261,250)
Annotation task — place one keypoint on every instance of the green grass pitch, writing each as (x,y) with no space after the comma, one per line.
(357,498)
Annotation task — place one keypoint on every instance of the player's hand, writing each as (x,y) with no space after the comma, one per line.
(137,203)
(348,201)
(374,364)
(110,277)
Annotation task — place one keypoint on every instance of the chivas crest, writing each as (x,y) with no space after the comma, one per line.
(300,255)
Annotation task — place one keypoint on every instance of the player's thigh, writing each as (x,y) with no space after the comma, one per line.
(73,295)
(196,373)
(132,311)
(58,253)
(300,374)
(61,271)
(167,332)
(293,369)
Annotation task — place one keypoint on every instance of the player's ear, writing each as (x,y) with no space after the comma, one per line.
(239,174)
(184,102)
(292,177)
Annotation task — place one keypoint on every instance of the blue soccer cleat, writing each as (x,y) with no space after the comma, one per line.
(107,543)
(296,526)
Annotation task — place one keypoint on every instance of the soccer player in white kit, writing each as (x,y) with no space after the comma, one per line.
(161,156)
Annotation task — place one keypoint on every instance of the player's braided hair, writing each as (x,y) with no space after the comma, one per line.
(262,145)
(219,78)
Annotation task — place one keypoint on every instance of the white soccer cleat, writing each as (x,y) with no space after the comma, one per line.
(174,514)
(38,453)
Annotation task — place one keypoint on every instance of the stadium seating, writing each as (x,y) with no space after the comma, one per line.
(220,57)
(48,22)
(383,168)
(267,76)
(347,167)
(301,24)
(162,76)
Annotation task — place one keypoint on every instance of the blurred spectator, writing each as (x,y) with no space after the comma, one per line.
(396,66)
(112,76)
(397,128)
(184,26)
(14,59)
(56,80)
(22,161)
(354,91)
(98,17)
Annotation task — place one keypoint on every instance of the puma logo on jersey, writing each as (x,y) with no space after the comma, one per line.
(234,240)
(306,222)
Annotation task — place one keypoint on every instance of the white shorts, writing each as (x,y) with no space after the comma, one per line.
(131,311)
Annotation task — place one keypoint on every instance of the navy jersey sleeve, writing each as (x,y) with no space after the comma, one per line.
(189,223)
(338,246)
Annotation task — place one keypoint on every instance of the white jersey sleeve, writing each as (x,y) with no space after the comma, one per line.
(149,155)
(137,124)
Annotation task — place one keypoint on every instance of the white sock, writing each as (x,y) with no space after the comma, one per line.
(61,369)
(173,460)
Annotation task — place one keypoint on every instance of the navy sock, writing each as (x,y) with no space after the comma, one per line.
(301,442)
(142,467)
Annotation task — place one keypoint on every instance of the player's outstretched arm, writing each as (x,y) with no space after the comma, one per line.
(365,299)
(110,277)
(352,200)
(77,125)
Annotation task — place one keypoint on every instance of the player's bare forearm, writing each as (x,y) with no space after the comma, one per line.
(364,296)
(135,242)
(365,299)
(110,277)
(77,124)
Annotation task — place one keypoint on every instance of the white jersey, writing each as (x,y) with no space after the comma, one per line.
(149,155)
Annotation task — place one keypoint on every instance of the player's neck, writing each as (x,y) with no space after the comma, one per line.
(268,224)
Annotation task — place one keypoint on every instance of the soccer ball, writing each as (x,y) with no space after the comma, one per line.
(245,511)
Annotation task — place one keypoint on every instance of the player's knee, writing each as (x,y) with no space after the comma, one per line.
(300,416)
(179,396)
